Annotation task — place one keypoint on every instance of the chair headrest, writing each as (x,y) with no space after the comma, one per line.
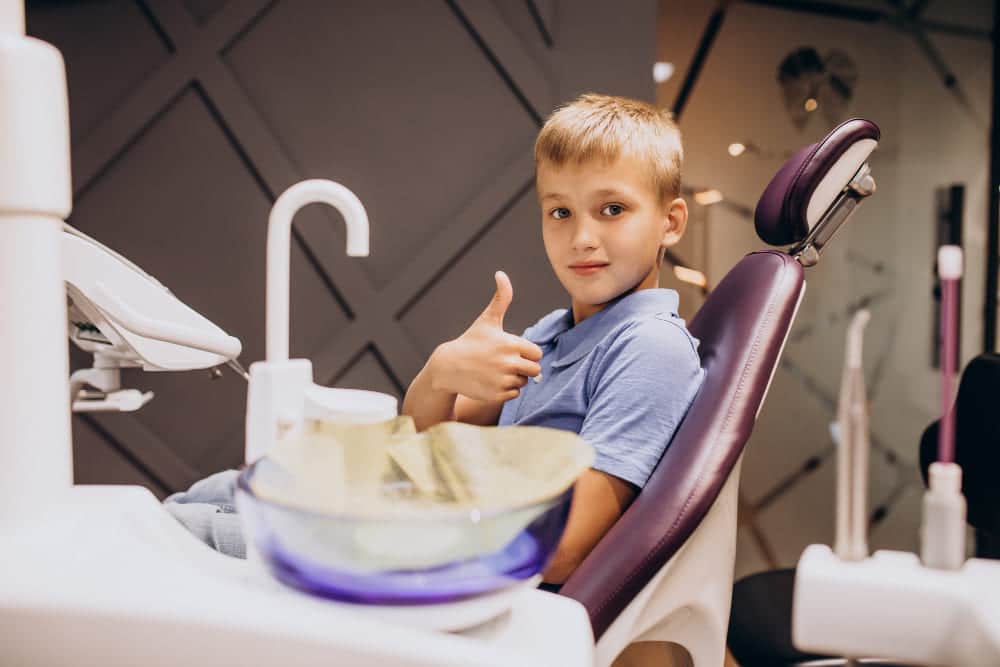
(806,186)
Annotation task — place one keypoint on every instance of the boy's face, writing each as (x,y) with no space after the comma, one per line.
(603,226)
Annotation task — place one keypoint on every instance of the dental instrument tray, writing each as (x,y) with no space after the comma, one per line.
(128,319)
(379,514)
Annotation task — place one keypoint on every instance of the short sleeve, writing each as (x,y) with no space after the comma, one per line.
(640,391)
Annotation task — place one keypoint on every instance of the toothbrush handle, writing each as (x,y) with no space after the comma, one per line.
(946,434)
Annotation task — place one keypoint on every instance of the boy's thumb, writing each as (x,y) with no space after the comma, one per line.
(500,302)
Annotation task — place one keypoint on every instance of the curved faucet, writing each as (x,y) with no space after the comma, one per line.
(279,234)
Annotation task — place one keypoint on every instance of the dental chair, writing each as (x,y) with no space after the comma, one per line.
(664,572)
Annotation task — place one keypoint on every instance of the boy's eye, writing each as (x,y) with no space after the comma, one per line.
(560,213)
(613,209)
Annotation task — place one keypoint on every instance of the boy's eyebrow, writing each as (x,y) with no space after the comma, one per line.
(603,192)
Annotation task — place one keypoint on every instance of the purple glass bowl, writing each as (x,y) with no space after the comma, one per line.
(400,561)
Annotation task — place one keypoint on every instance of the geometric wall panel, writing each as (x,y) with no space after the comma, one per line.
(413,119)
(790,414)
(804,514)
(203,9)
(95,461)
(369,372)
(92,37)
(514,245)
(181,204)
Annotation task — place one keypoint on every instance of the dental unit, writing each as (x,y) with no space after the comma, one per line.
(104,574)
(282,392)
(933,609)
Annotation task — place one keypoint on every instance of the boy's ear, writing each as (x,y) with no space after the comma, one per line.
(675,222)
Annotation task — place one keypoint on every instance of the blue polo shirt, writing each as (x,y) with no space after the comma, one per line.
(623,379)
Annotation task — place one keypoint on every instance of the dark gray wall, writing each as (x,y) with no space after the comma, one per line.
(188,118)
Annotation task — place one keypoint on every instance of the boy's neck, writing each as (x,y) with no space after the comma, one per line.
(583,311)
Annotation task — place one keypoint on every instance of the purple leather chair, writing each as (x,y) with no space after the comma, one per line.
(664,572)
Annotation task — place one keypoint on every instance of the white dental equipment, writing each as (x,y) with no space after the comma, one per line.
(851,540)
(127,319)
(282,392)
(939,609)
(103,574)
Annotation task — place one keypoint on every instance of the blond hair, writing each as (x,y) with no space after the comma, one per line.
(603,127)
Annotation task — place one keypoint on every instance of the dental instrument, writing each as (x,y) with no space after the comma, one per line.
(942,538)
(936,609)
(126,318)
(851,541)
(103,574)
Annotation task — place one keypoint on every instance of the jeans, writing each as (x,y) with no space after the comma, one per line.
(208,509)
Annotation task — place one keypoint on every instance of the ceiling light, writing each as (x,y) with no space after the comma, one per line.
(662,71)
(811,104)
(690,276)
(736,149)
(708,197)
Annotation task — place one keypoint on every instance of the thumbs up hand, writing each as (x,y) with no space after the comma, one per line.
(486,363)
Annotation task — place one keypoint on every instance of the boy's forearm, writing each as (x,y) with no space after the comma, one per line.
(598,500)
(427,404)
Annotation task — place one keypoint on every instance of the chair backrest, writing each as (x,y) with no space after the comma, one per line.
(742,327)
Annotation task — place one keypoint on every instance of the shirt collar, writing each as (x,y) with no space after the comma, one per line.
(576,341)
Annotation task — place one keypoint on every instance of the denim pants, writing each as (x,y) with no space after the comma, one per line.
(208,509)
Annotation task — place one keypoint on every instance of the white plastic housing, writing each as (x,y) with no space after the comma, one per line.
(34,126)
(358,406)
(142,319)
(950,262)
(275,402)
(942,533)
(108,577)
(35,196)
(281,394)
(36,461)
(891,606)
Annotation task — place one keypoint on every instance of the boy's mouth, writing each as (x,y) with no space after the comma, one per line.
(587,268)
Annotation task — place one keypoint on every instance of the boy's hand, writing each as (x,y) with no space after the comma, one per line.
(486,363)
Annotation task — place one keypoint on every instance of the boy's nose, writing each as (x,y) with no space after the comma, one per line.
(584,237)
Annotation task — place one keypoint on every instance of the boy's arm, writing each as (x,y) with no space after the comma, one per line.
(480,413)
(598,500)
(430,405)
(642,392)
(426,403)
(470,378)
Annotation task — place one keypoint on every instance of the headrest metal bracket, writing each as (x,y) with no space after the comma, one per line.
(861,185)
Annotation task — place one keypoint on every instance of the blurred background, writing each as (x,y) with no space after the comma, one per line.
(189,117)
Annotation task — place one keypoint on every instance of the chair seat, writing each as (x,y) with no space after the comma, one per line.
(760,625)
(760,622)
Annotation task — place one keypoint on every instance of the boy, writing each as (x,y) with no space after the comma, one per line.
(618,367)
